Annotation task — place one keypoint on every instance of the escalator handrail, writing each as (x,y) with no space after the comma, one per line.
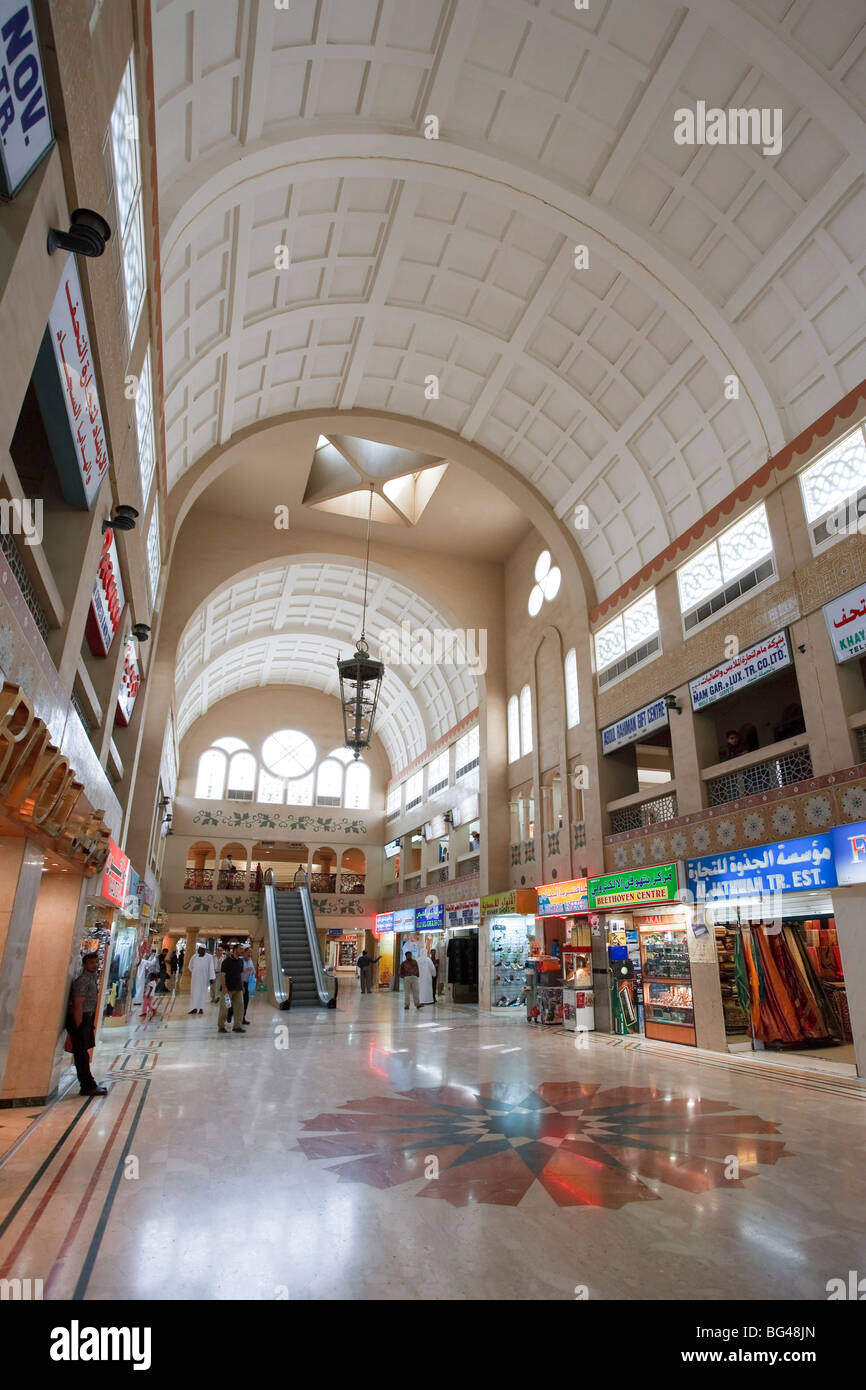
(269,907)
(321,978)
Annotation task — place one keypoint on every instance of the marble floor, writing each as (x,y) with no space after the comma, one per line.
(369,1153)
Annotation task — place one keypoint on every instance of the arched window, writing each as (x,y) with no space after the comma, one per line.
(513,730)
(242,777)
(329,783)
(358,787)
(211,778)
(343,755)
(525,720)
(300,792)
(272,790)
(230,745)
(572,703)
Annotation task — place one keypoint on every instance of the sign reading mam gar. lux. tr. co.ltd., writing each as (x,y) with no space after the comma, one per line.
(25,125)
(750,666)
(39,789)
(659,884)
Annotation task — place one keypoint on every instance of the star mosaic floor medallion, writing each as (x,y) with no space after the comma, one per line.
(584,1145)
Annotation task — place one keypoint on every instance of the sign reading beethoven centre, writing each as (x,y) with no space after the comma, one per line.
(638,724)
(558,899)
(846,623)
(781,868)
(658,884)
(750,666)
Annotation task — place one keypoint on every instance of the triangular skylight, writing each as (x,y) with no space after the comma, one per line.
(345,467)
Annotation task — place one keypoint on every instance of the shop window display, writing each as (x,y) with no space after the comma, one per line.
(508,949)
(791,983)
(669,1013)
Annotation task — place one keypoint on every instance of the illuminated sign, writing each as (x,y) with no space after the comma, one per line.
(519,900)
(107,600)
(656,885)
(554,899)
(463,914)
(430,917)
(634,726)
(25,123)
(846,623)
(113,886)
(781,868)
(750,666)
(130,681)
(849,848)
(384,922)
(404,919)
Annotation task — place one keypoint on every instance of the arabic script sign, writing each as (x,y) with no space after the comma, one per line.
(846,623)
(565,897)
(781,868)
(107,601)
(750,666)
(656,885)
(67,326)
(638,724)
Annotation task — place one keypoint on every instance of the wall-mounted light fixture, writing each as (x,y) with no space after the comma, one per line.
(671,702)
(88,234)
(124,519)
(141,632)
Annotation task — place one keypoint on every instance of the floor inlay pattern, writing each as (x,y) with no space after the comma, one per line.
(583,1144)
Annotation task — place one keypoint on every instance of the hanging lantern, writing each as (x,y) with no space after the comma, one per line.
(360,683)
(360,677)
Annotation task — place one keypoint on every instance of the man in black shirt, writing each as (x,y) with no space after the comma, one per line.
(232,983)
(80,1015)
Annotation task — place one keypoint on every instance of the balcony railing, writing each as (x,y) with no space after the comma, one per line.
(198,878)
(645,813)
(793,765)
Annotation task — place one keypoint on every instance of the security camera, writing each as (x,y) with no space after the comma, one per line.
(88,234)
(124,519)
(141,632)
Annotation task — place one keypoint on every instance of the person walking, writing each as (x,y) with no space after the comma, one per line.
(181,957)
(202,972)
(219,953)
(232,984)
(172,963)
(426,976)
(249,978)
(409,976)
(81,1011)
(434,959)
(365,965)
(163,971)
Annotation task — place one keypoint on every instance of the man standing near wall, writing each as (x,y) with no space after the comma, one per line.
(83,997)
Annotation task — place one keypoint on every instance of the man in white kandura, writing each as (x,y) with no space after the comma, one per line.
(426,972)
(202,970)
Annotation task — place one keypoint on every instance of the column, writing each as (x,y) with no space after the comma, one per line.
(849,909)
(20,880)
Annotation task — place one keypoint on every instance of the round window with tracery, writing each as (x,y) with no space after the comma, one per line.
(548,578)
(288,753)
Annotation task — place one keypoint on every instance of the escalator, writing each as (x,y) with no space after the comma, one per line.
(293,949)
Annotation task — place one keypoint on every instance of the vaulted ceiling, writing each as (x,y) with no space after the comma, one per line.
(304,127)
(289,624)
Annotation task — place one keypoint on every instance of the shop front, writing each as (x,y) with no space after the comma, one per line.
(383,947)
(652,953)
(129,934)
(104,930)
(563,931)
(501,949)
(460,951)
(771,913)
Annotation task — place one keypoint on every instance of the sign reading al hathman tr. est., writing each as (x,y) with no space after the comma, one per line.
(25,121)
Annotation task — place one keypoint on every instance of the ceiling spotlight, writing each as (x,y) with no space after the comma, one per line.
(87,236)
(141,632)
(124,519)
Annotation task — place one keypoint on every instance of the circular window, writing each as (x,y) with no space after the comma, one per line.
(548,578)
(288,753)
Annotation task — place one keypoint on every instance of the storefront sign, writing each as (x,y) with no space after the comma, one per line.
(849,850)
(518,900)
(635,726)
(655,885)
(106,604)
(554,899)
(39,789)
(463,914)
(781,868)
(750,666)
(25,125)
(67,327)
(430,917)
(846,623)
(384,922)
(113,886)
(130,681)
(404,919)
